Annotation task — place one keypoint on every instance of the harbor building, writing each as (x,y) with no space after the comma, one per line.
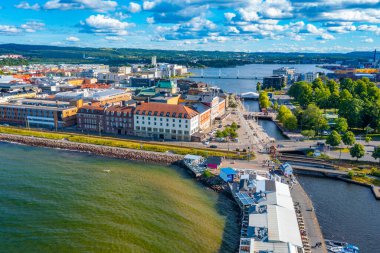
(40,113)
(275,82)
(285,71)
(269,220)
(165,121)
(309,76)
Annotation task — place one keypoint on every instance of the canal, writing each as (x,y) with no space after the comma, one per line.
(269,126)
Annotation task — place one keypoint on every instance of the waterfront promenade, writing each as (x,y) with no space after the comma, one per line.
(312,227)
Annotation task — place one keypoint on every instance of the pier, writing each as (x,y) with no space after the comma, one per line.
(260,115)
(229,77)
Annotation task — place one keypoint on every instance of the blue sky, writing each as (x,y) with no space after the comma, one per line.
(226,25)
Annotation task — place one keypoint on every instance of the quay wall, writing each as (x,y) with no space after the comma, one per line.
(114,152)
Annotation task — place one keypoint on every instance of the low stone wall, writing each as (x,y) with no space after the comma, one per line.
(122,153)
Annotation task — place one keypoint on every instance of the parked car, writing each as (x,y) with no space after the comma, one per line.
(213,146)
(206,143)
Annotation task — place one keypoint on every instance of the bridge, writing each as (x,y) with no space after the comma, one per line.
(260,115)
(229,77)
(220,76)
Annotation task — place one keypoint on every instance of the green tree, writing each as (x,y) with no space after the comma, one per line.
(308,133)
(348,138)
(340,125)
(275,106)
(376,153)
(302,93)
(312,118)
(258,87)
(350,174)
(283,113)
(368,139)
(334,139)
(233,134)
(290,122)
(219,134)
(357,151)
(234,125)
(264,100)
(351,110)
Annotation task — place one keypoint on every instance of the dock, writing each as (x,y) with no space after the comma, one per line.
(310,220)
(376,191)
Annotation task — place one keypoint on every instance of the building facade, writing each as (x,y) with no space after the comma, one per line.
(275,82)
(165,121)
(119,120)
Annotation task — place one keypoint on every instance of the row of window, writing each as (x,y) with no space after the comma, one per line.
(161,124)
(161,119)
(161,114)
(161,130)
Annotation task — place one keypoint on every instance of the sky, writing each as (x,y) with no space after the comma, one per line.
(225,25)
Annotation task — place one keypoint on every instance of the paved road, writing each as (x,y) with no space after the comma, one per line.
(312,227)
(294,145)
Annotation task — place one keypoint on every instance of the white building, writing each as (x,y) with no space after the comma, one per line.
(165,121)
(309,76)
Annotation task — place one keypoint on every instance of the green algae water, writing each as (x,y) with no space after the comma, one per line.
(62,201)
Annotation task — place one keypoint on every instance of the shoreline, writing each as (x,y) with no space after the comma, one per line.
(107,151)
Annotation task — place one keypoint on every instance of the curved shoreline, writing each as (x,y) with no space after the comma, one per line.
(113,152)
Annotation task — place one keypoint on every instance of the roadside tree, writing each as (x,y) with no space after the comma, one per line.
(349,138)
(376,153)
(341,125)
(357,151)
(334,139)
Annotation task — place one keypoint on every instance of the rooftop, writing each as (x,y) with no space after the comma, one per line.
(165,110)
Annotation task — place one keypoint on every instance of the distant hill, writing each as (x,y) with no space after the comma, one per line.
(122,56)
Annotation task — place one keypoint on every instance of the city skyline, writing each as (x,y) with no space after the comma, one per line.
(277,25)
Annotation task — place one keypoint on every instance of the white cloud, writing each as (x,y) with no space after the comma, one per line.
(370,28)
(248,15)
(114,38)
(229,15)
(356,15)
(27,6)
(150,20)
(103,24)
(233,29)
(9,29)
(32,26)
(368,40)
(134,7)
(148,5)
(323,35)
(97,5)
(72,39)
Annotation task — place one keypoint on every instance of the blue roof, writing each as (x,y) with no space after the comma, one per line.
(228,171)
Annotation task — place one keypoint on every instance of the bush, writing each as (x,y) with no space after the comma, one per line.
(350,174)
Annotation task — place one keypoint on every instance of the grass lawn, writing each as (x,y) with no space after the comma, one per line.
(121,143)
(367,180)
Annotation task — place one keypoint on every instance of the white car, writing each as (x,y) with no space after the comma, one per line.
(206,143)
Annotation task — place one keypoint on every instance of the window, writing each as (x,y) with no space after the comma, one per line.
(174,131)
(173,120)
(173,125)
(167,124)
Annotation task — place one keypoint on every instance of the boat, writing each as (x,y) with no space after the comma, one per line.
(341,247)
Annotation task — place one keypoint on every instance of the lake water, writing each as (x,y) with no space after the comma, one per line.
(240,85)
(346,212)
(61,201)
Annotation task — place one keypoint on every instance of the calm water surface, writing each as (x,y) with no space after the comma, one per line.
(250,70)
(345,211)
(61,201)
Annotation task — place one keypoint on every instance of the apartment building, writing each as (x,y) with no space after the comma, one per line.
(90,117)
(40,113)
(165,121)
(119,120)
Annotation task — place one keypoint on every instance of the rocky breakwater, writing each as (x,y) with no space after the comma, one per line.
(122,153)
